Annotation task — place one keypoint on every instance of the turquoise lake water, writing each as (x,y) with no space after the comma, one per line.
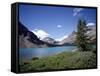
(28,53)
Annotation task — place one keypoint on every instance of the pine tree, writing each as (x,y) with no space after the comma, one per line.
(82,40)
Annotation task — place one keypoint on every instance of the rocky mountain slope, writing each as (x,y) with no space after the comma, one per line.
(91,33)
(49,40)
(70,39)
(28,39)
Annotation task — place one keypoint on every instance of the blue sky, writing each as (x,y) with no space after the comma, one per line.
(55,22)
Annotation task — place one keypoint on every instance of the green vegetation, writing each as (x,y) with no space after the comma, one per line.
(82,40)
(35,58)
(84,57)
(65,60)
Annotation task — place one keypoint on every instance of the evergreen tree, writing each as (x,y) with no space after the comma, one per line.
(82,40)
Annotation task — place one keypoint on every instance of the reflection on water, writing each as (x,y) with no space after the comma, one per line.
(28,53)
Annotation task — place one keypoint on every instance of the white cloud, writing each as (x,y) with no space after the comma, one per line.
(60,39)
(40,33)
(59,26)
(76,11)
(90,24)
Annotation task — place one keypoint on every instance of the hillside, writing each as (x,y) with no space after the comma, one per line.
(28,39)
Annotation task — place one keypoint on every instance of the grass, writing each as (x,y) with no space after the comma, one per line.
(65,60)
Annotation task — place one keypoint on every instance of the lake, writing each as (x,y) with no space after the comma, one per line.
(28,53)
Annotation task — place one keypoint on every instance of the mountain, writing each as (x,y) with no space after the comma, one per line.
(62,38)
(40,33)
(91,33)
(49,40)
(70,39)
(28,39)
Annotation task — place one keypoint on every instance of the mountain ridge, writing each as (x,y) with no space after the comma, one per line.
(28,39)
(91,33)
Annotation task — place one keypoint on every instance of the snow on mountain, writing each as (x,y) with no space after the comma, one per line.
(90,24)
(41,34)
(62,38)
(49,40)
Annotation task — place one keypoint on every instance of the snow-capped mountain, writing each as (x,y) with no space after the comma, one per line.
(41,34)
(28,39)
(62,38)
(67,39)
(49,40)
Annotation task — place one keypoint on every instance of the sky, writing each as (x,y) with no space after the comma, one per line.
(52,21)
